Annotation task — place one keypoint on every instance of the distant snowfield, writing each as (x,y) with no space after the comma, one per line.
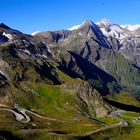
(108,23)
(115,29)
(131,27)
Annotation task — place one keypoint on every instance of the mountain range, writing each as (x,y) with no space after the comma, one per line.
(105,44)
(80,83)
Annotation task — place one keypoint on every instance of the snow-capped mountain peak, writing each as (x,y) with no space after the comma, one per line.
(107,27)
(86,22)
(105,22)
(110,29)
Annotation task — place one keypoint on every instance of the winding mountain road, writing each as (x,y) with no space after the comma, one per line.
(24,111)
(18,116)
(22,114)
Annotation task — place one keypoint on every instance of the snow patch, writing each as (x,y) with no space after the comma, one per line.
(2,73)
(9,36)
(77,26)
(26,51)
(44,56)
(34,33)
(74,27)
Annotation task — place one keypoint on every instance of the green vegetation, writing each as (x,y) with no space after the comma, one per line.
(60,102)
(125,98)
(64,77)
(109,120)
(51,101)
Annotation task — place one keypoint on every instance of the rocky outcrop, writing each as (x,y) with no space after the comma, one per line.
(93,100)
(90,103)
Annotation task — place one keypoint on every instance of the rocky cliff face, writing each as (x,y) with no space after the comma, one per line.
(90,103)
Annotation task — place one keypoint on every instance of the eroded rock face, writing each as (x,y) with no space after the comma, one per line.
(94,101)
(91,102)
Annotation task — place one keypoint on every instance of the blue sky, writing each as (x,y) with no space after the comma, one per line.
(38,15)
